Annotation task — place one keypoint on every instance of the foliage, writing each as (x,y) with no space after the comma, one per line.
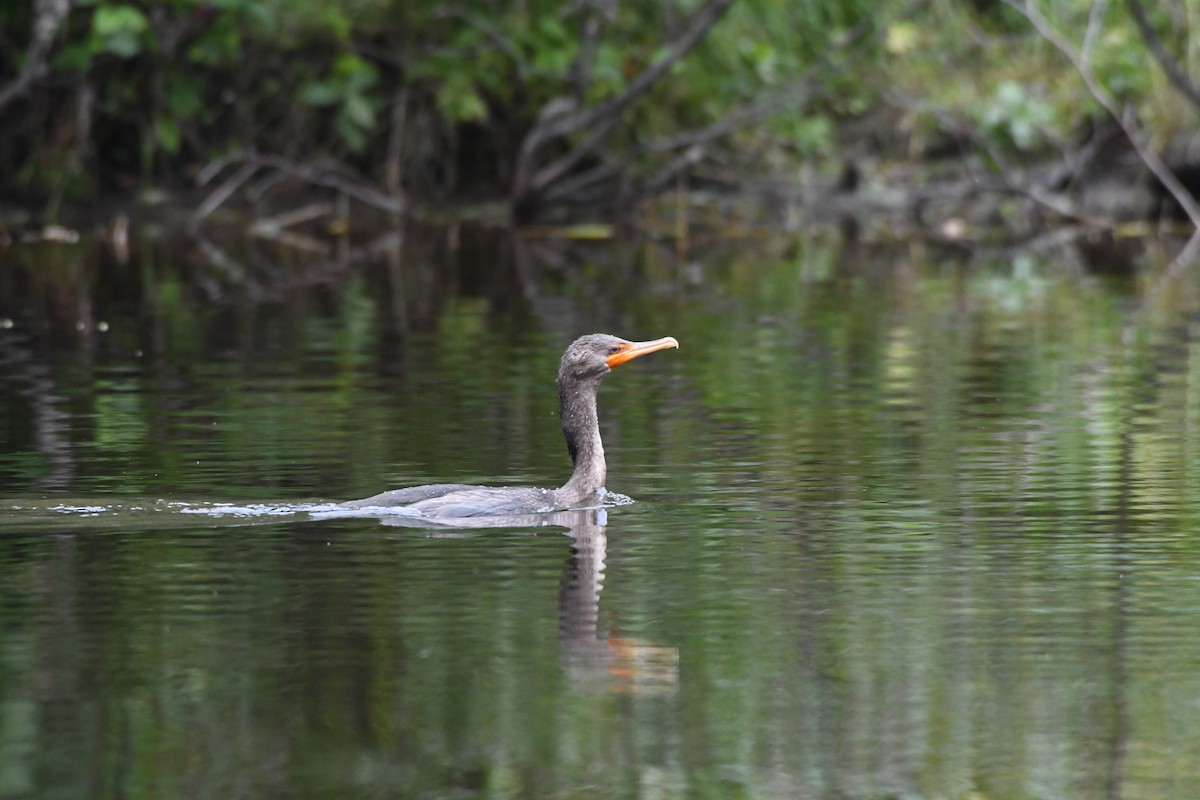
(142,91)
(1013,114)
(348,90)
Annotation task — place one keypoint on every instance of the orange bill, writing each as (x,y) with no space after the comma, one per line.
(631,350)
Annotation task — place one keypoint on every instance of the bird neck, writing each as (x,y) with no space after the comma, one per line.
(581,429)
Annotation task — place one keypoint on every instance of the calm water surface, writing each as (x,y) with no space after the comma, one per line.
(905,525)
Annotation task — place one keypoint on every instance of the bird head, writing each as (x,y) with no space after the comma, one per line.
(597,354)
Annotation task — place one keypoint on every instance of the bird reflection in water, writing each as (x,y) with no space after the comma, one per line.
(593,656)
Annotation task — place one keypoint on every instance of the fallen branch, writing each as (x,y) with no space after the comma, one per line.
(266,280)
(276,227)
(350,186)
(223,192)
(252,162)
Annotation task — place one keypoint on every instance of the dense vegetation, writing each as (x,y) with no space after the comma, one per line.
(544,102)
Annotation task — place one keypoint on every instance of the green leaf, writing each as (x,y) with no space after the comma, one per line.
(118,30)
(348,64)
(183,95)
(166,132)
(553,30)
(74,56)
(221,43)
(260,17)
(124,44)
(112,20)
(323,93)
(338,24)
(460,102)
(359,82)
(354,136)
(360,110)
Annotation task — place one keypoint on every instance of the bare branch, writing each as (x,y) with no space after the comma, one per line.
(1179,79)
(1095,19)
(216,167)
(797,93)
(607,169)
(353,187)
(561,117)
(1038,192)
(1123,116)
(272,225)
(490,31)
(223,192)
(48,18)
(593,16)
(672,171)
(393,169)
(348,185)
(600,120)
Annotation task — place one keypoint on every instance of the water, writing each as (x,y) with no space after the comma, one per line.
(904,525)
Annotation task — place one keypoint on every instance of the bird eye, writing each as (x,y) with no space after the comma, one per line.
(616,348)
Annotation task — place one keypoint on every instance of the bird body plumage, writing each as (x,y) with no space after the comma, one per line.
(586,363)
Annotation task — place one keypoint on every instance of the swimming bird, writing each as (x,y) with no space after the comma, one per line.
(586,362)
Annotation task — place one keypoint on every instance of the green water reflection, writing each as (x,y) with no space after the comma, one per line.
(906,526)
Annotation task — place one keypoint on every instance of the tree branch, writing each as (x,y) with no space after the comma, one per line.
(1179,79)
(1123,117)
(797,93)
(48,18)
(592,18)
(490,31)
(600,120)
(1090,36)
(251,162)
